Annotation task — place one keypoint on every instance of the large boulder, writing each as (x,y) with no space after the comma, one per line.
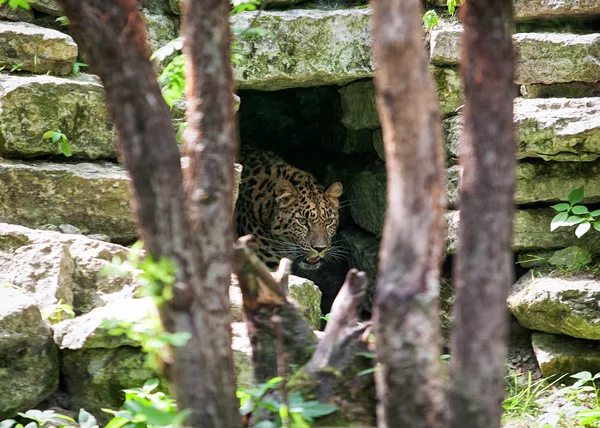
(95,378)
(33,105)
(558,304)
(52,266)
(561,355)
(541,57)
(304,48)
(559,129)
(93,197)
(28,355)
(36,49)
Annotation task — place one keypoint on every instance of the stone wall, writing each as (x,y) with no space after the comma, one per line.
(306,92)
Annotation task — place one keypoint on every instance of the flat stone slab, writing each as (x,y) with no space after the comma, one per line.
(531,231)
(32,105)
(535,9)
(36,49)
(93,197)
(540,57)
(559,129)
(544,182)
(304,48)
(558,304)
(562,355)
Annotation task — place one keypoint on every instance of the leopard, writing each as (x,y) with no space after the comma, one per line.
(287,211)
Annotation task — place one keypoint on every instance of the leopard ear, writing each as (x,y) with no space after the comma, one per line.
(285,194)
(334,191)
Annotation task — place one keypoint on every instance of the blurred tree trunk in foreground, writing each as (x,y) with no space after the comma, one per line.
(410,377)
(483,268)
(112,35)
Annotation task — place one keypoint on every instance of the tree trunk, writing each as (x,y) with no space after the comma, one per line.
(483,267)
(211,141)
(112,34)
(410,378)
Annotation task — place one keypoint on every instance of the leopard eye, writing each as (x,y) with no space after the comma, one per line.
(329,222)
(302,221)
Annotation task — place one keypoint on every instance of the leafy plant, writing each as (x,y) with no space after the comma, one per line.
(522,395)
(24,4)
(430,19)
(78,66)
(453,4)
(48,417)
(570,214)
(239,6)
(145,407)
(63,21)
(55,313)
(57,136)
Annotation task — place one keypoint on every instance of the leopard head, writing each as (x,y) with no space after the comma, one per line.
(305,221)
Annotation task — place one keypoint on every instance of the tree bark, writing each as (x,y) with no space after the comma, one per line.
(112,34)
(264,297)
(483,268)
(409,380)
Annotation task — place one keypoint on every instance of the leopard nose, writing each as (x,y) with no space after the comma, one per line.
(320,249)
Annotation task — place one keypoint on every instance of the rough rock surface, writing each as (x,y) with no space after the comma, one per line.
(535,9)
(307,297)
(545,182)
(558,304)
(19,14)
(560,355)
(36,49)
(559,129)
(52,266)
(161,28)
(92,197)
(359,110)
(541,57)
(95,378)
(51,7)
(531,231)
(30,106)
(561,90)
(304,48)
(28,355)
(89,331)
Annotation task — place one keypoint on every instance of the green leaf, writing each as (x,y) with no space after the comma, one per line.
(48,134)
(8,423)
(579,209)
(153,415)
(576,196)
(55,137)
(366,371)
(561,207)
(86,420)
(595,213)
(65,147)
(573,220)
(151,384)
(585,375)
(314,409)
(117,422)
(558,220)
(582,229)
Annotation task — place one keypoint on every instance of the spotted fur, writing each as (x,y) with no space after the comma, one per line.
(287,211)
